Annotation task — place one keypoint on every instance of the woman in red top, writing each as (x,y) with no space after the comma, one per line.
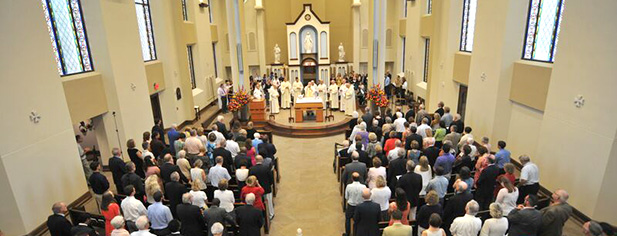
(481,163)
(250,150)
(390,142)
(509,169)
(109,209)
(252,186)
(400,204)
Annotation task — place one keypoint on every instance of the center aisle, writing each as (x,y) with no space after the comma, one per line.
(308,195)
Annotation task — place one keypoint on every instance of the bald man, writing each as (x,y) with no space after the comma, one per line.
(555,215)
(366,216)
(456,204)
(57,223)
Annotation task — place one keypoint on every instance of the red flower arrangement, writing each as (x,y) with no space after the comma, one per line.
(238,100)
(377,95)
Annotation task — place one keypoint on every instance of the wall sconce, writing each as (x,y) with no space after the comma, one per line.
(202,4)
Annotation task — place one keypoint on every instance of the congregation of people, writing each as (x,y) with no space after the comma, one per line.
(199,181)
(399,170)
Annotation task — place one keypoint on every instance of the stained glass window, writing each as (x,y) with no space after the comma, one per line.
(469,23)
(67,31)
(189,50)
(185,14)
(427,52)
(429,6)
(146,35)
(542,30)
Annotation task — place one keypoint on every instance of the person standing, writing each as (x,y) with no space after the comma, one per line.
(297,89)
(274,99)
(525,219)
(350,100)
(322,91)
(366,216)
(136,157)
(193,222)
(109,209)
(132,179)
(98,182)
(222,92)
(82,155)
(57,223)
(159,215)
(249,218)
(266,178)
(555,216)
(529,179)
(286,94)
(469,224)
(333,91)
(132,208)
(117,168)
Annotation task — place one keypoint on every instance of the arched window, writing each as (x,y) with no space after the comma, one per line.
(68,36)
(364,38)
(389,38)
(252,41)
(323,39)
(542,30)
(469,23)
(146,34)
(293,45)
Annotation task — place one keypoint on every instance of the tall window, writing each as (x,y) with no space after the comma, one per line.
(216,69)
(542,30)
(403,39)
(189,50)
(146,35)
(427,51)
(69,40)
(469,23)
(404,8)
(429,6)
(210,11)
(185,13)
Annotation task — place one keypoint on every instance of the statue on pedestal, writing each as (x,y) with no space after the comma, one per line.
(341,52)
(277,54)
(308,43)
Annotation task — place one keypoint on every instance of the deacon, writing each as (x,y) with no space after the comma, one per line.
(333,90)
(286,94)
(297,89)
(350,100)
(342,90)
(321,90)
(274,100)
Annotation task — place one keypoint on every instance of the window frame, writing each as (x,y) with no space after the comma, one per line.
(191,62)
(465,26)
(185,11)
(56,41)
(150,31)
(427,53)
(555,33)
(429,7)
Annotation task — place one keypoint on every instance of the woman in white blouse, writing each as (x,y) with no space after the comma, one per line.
(424,170)
(496,226)
(199,197)
(198,173)
(507,196)
(242,174)
(381,195)
(225,196)
(374,172)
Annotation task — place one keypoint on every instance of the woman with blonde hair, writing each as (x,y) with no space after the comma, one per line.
(374,172)
(199,197)
(435,121)
(424,169)
(252,186)
(425,212)
(381,195)
(197,173)
(152,185)
(507,196)
(496,226)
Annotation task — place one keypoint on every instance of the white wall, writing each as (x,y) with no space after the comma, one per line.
(39,163)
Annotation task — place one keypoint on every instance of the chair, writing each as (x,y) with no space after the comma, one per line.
(291,119)
(329,117)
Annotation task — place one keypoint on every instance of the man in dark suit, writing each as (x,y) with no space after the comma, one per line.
(158,128)
(412,184)
(486,184)
(366,216)
(242,158)
(168,167)
(395,168)
(266,178)
(249,218)
(364,158)
(460,125)
(57,223)
(190,216)
(525,220)
(174,228)
(131,178)
(268,146)
(368,116)
(413,136)
(343,154)
(555,216)
(216,214)
(410,113)
(174,191)
(222,152)
(440,108)
(431,152)
(98,182)
(354,166)
(456,204)
(117,168)
(82,227)
(221,126)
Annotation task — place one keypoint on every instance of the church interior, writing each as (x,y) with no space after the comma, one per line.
(314,83)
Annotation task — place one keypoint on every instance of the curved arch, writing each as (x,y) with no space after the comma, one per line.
(293,45)
(303,31)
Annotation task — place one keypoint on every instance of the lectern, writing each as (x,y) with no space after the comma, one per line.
(257,108)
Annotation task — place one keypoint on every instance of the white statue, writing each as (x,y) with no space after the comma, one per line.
(341,52)
(308,43)
(277,54)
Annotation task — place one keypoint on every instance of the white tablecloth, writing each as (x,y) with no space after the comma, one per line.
(309,100)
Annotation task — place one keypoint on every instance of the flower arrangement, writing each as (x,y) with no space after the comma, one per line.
(377,95)
(238,100)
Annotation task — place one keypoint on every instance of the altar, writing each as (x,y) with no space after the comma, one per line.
(309,104)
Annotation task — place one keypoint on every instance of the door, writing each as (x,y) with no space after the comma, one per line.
(462,100)
(156,107)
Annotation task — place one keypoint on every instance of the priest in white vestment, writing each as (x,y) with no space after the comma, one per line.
(274,100)
(310,90)
(350,100)
(286,94)
(297,89)
(258,92)
(333,90)
(322,91)
(342,90)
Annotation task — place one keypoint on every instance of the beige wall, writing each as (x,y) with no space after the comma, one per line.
(39,163)
(85,96)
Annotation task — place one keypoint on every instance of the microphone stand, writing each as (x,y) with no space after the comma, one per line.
(117,133)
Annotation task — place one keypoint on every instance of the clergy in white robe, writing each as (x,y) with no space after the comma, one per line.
(341,91)
(274,100)
(258,92)
(310,90)
(350,100)
(333,90)
(286,94)
(297,89)
(322,91)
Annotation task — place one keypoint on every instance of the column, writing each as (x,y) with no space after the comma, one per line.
(357,33)
(377,44)
(236,36)
(261,38)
